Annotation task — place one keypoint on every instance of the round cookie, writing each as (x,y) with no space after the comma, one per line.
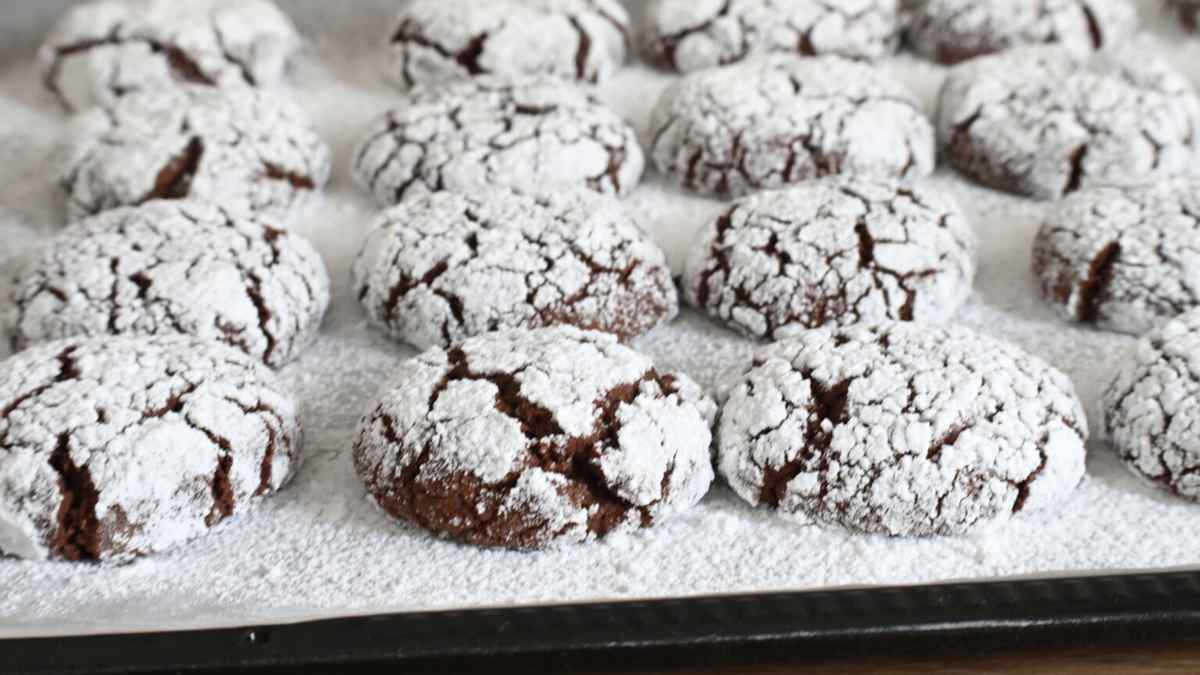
(533,132)
(102,50)
(900,429)
(1152,407)
(1122,258)
(952,31)
(245,149)
(839,250)
(446,266)
(112,448)
(530,439)
(1038,122)
(776,121)
(439,40)
(175,267)
(689,35)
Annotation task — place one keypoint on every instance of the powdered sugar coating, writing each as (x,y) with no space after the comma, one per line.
(531,132)
(775,121)
(112,448)
(951,31)
(446,266)
(1152,407)
(439,40)
(1123,258)
(175,267)
(527,439)
(100,51)
(689,35)
(839,250)
(247,150)
(900,429)
(1039,122)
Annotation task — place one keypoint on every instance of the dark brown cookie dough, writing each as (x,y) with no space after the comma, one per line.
(1189,12)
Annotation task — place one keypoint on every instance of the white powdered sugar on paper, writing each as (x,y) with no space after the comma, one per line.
(1123,258)
(900,429)
(950,31)
(157,440)
(838,250)
(100,51)
(250,150)
(778,120)
(437,40)
(692,35)
(175,267)
(321,548)
(1044,122)
(446,266)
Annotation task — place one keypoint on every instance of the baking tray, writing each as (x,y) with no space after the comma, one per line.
(1141,610)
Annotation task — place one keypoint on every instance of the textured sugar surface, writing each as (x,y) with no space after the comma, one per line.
(320,548)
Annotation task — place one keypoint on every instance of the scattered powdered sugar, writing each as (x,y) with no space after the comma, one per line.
(836,250)
(436,40)
(321,548)
(901,429)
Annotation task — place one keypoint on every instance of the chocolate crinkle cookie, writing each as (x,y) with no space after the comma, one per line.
(532,132)
(839,250)
(100,51)
(777,120)
(1040,122)
(528,439)
(175,267)
(952,31)
(112,448)
(1122,258)
(446,266)
(247,150)
(900,429)
(1152,407)
(689,35)
(437,40)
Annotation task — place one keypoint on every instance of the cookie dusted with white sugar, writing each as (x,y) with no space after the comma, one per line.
(689,35)
(1040,122)
(775,121)
(1152,407)
(531,439)
(839,250)
(246,150)
(100,51)
(112,448)
(175,267)
(446,266)
(900,429)
(528,132)
(437,40)
(1122,258)
(951,31)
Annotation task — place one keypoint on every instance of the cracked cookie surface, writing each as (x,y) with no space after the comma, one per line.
(1122,258)
(838,250)
(530,439)
(100,51)
(1188,11)
(437,40)
(1039,122)
(689,35)
(175,267)
(900,429)
(531,132)
(446,266)
(246,150)
(778,120)
(952,31)
(1152,407)
(112,448)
